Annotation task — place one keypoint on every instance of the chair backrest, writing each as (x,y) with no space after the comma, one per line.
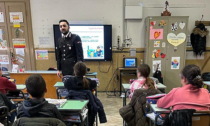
(201,118)
(25,121)
(3,114)
(188,117)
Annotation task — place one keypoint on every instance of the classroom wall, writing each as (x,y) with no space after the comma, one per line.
(45,13)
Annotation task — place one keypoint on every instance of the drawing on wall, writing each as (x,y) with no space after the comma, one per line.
(19,51)
(174,26)
(156,33)
(162,23)
(3,45)
(41,54)
(156,53)
(1,17)
(175,62)
(156,43)
(16,25)
(176,40)
(4,59)
(182,25)
(16,17)
(155,64)
(19,43)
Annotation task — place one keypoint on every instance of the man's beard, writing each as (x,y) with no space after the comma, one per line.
(65,32)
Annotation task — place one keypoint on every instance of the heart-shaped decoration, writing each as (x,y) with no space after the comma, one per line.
(152,23)
(176,40)
(156,34)
(182,25)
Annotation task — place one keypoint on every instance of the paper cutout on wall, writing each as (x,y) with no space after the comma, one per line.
(156,43)
(156,53)
(181,25)
(163,44)
(16,17)
(162,23)
(156,33)
(154,65)
(174,26)
(152,23)
(176,40)
(162,55)
(175,62)
(20,51)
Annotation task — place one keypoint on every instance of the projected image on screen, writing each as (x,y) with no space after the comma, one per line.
(92,40)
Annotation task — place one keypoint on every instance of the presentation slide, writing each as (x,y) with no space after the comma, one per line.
(92,40)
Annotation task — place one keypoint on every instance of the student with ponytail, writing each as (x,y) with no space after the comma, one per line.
(191,95)
(79,81)
(143,80)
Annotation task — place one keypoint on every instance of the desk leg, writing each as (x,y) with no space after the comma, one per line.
(120,84)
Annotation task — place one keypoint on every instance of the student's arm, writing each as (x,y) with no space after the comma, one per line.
(167,101)
(79,50)
(9,85)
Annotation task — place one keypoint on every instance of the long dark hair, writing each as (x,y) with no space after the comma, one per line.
(144,69)
(80,70)
(193,75)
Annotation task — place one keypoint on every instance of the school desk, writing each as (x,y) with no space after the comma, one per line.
(75,109)
(50,78)
(126,88)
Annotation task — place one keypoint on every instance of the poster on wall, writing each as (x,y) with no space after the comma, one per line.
(156,33)
(16,17)
(155,64)
(1,17)
(176,40)
(175,62)
(19,43)
(41,54)
(19,51)
(4,59)
(3,45)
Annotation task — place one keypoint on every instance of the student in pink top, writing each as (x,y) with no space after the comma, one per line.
(143,80)
(191,95)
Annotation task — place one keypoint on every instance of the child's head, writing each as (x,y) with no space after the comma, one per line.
(36,86)
(191,74)
(80,69)
(143,70)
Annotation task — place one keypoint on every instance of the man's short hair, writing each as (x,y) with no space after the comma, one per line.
(63,20)
(35,85)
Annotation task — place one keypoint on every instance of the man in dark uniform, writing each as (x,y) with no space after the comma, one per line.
(69,50)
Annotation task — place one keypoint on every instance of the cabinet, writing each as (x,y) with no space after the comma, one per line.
(165,44)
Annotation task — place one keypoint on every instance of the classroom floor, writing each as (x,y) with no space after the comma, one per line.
(112,104)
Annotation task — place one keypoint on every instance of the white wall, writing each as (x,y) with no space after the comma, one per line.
(45,13)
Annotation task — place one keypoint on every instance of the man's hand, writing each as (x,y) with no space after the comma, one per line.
(59,74)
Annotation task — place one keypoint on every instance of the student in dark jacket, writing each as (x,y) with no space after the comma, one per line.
(80,87)
(37,106)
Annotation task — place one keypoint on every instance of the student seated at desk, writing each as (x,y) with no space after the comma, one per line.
(191,95)
(37,106)
(5,84)
(80,87)
(143,80)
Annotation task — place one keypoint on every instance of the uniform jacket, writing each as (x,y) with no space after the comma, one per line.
(182,97)
(6,85)
(68,52)
(38,108)
(138,103)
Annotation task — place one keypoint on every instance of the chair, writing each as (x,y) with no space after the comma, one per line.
(16,95)
(188,117)
(3,115)
(25,121)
